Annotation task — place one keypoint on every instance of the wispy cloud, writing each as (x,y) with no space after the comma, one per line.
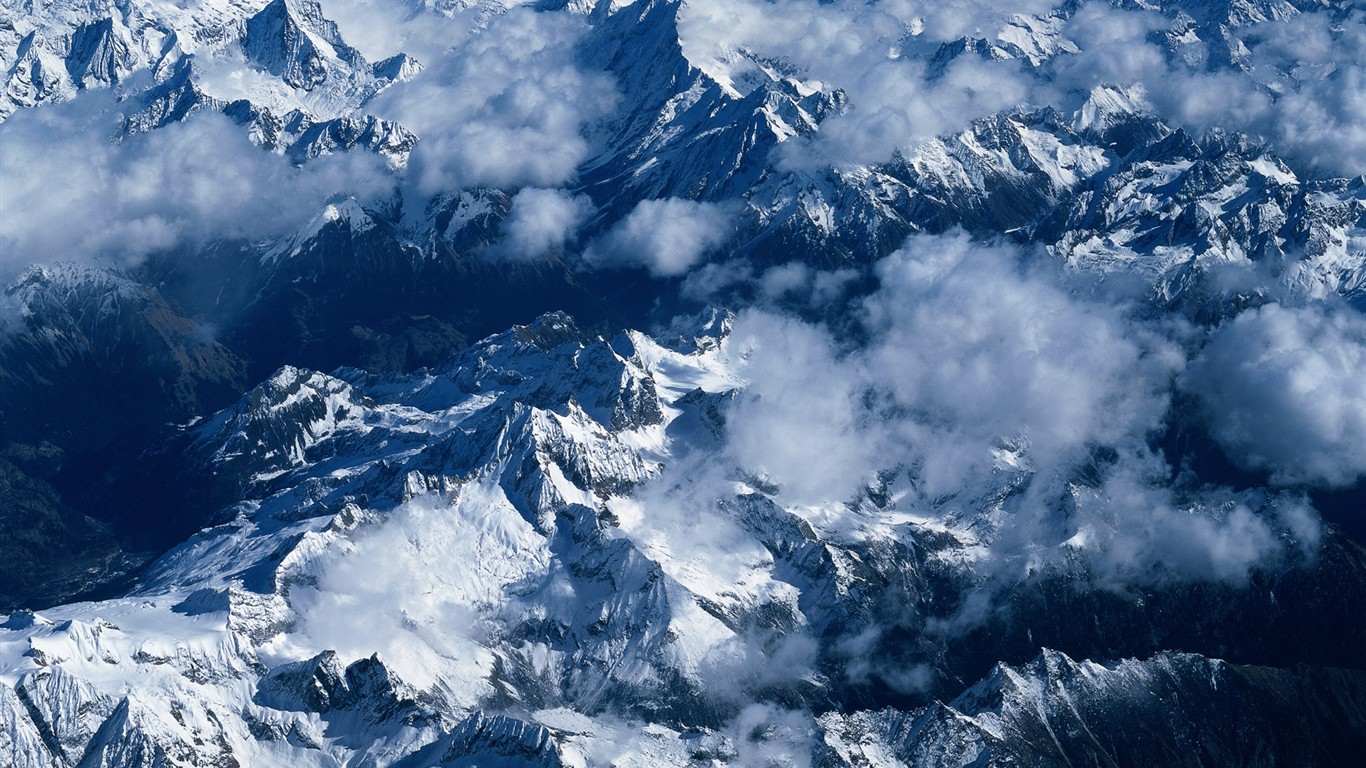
(73,194)
(975,364)
(508,107)
(666,237)
(541,222)
(1284,392)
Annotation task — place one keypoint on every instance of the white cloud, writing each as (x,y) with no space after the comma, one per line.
(504,102)
(894,106)
(506,108)
(968,350)
(1152,537)
(1299,86)
(667,237)
(976,366)
(541,222)
(797,281)
(766,735)
(70,193)
(800,421)
(382,28)
(1285,393)
(866,50)
(971,338)
(711,282)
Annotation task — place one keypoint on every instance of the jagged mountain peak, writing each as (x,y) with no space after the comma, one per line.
(499,488)
(569,544)
(174,99)
(549,331)
(397,68)
(61,281)
(82,300)
(271,429)
(292,39)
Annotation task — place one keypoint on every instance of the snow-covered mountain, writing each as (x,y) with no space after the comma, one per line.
(455,565)
(1034,434)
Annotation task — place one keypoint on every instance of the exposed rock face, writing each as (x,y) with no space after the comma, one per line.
(1172,709)
(330,499)
(479,517)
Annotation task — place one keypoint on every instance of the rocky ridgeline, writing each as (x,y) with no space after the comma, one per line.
(452,566)
(455,553)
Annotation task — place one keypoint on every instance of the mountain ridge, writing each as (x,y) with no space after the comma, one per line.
(662,383)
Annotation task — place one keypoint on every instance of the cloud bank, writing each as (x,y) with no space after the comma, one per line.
(71,193)
(1285,393)
(979,369)
(666,237)
(501,102)
(1296,80)
(969,350)
(506,108)
(504,102)
(541,222)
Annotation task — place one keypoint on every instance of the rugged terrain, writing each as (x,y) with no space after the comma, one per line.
(600,385)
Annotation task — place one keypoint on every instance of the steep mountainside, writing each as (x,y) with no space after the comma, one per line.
(436,566)
(648,382)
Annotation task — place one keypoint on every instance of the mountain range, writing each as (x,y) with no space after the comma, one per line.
(482,382)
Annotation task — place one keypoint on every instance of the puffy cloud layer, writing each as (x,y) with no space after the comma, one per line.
(666,237)
(541,222)
(1285,392)
(1297,84)
(969,351)
(505,102)
(801,421)
(971,337)
(982,363)
(381,28)
(1149,536)
(70,193)
(500,103)
(505,108)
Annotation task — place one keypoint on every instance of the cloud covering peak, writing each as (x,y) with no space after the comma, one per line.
(1285,394)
